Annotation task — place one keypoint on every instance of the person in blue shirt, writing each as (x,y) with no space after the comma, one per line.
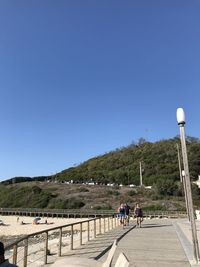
(122,213)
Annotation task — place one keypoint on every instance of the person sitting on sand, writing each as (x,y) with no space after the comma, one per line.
(3,261)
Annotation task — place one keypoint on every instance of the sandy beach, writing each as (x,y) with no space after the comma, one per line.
(13,227)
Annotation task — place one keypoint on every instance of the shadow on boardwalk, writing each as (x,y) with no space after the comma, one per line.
(154,225)
(96,248)
(156,244)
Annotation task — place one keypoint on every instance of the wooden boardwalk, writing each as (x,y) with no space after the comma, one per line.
(156,244)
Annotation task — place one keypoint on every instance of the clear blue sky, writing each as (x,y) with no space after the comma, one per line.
(79,78)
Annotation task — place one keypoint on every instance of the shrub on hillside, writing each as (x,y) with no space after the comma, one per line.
(57,204)
(70,203)
(25,197)
(113,192)
(83,189)
(73,203)
(103,207)
(154,208)
(167,187)
(132,193)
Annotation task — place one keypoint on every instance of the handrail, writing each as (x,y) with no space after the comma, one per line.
(102,229)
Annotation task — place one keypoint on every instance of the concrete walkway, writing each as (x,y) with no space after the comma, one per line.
(156,244)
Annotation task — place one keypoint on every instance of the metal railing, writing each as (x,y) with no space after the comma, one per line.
(86,230)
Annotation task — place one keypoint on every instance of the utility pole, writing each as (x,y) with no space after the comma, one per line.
(141,184)
(128,178)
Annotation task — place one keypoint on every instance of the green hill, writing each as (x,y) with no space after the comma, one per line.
(160,170)
(159,161)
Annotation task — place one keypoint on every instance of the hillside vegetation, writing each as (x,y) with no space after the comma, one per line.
(160,170)
(75,196)
(159,161)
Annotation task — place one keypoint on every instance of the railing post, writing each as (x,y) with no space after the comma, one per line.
(95,228)
(104,224)
(88,230)
(81,230)
(60,243)
(100,225)
(15,254)
(25,251)
(46,248)
(72,237)
(108,223)
(115,221)
(112,221)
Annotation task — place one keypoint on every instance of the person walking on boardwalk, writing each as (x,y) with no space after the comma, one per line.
(122,213)
(3,261)
(138,214)
(127,213)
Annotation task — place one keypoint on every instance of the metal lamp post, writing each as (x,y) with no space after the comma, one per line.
(179,163)
(188,193)
(182,180)
(185,192)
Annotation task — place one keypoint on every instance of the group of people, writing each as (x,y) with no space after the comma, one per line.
(124,214)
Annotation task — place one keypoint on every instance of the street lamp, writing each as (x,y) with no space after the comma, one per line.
(188,193)
(179,162)
(185,192)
